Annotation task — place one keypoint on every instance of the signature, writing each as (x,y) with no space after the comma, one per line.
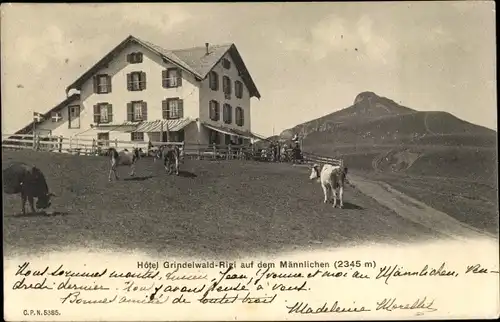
(305,308)
(391,304)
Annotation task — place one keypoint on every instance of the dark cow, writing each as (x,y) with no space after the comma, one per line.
(124,157)
(171,157)
(30,182)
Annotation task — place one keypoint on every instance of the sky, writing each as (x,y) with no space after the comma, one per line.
(307,59)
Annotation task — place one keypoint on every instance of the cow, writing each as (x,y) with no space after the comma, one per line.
(332,178)
(30,182)
(171,157)
(124,157)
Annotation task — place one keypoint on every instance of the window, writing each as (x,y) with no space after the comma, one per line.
(137,136)
(214,137)
(137,111)
(102,84)
(240,116)
(172,108)
(74,117)
(103,137)
(134,58)
(226,63)
(238,89)
(136,81)
(103,113)
(213,80)
(214,111)
(227,114)
(172,77)
(226,87)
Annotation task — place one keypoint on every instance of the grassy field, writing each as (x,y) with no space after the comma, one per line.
(470,201)
(213,208)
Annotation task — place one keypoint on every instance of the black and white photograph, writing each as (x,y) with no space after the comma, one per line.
(202,158)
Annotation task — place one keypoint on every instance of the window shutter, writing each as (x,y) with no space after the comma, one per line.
(110,113)
(109,84)
(130,112)
(164,107)
(97,114)
(144,111)
(180,106)
(129,81)
(96,87)
(129,58)
(132,136)
(179,77)
(143,81)
(164,78)
(139,57)
(239,89)
(217,111)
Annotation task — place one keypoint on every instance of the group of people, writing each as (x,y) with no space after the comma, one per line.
(279,152)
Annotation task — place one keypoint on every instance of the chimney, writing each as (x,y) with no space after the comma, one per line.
(206,47)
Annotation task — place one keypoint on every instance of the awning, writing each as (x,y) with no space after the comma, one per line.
(233,132)
(218,129)
(162,125)
(243,134)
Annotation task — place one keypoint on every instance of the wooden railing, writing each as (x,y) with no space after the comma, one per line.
(315,158)
(88,146)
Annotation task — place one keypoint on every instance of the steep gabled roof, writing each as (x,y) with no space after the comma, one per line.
(47,114)
(193,60)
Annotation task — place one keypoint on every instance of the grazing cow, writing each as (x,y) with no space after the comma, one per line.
(124,157)
(331,178)
(171,157)
(30,182)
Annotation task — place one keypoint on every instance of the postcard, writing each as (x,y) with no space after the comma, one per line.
(250,161)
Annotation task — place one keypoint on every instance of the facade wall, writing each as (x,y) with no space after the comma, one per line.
(154,93)
(195,95)
(207,94)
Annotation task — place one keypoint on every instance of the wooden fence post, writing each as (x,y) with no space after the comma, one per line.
(215,152)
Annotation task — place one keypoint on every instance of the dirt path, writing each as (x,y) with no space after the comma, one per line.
(414,210)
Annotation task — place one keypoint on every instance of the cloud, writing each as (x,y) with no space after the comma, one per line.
(40,50)
(334,34)
(164,18)
(377,47)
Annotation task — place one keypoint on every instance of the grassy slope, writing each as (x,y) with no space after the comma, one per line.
(449,151)
(228,208)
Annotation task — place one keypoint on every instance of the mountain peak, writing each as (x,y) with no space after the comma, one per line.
(365,96)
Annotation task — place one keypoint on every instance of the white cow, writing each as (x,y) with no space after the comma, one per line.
(332,178)
(124,157)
